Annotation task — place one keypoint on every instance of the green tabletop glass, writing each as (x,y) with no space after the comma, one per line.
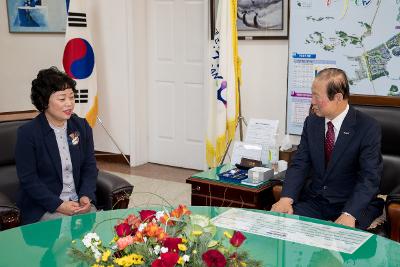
(212,175)
(47,243)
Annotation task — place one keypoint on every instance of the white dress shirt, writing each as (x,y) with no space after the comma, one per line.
(337,122)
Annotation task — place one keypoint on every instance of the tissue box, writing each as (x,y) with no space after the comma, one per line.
(260,174)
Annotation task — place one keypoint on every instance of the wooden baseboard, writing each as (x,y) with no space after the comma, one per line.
(386,101)
(111,157)
(18,115)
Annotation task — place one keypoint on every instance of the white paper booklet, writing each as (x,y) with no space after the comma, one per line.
(262,132)
(288,229)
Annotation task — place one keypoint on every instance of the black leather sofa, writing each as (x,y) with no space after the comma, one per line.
(388,115)
(389,118)
(112,191)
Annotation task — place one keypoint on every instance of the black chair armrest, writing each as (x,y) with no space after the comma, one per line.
(112,192)
(9,213)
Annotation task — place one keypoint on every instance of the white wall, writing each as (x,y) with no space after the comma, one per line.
(139,78)
(264,75)
(23,55)
(109,32)
(120,41)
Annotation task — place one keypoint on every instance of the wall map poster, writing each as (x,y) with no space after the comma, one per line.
(361,37)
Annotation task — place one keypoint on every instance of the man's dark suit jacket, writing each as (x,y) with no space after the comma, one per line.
(39,166)
(352,176)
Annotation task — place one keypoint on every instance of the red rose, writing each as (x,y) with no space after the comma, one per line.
(172,243)
(237,239)
(168,259)
(123,229)
(157,263)
(214,258)
(147,215)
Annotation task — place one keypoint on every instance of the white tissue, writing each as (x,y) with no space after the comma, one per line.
(286,144)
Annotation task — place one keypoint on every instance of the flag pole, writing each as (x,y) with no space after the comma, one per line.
(241,120)
(114,142)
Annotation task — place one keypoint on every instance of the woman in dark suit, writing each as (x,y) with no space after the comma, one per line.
(54,153)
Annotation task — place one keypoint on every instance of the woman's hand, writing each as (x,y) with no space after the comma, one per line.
(69,208)
(85,205)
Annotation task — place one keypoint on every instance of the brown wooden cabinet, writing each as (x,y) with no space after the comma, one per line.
(208,190)
(215,193)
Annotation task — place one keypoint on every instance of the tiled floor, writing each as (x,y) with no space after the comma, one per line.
(151,170)
(148,192)
(154,184)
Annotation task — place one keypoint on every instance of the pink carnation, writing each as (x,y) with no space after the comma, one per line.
(123,242)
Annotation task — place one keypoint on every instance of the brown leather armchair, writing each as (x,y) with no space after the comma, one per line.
(389,118)
(112,191)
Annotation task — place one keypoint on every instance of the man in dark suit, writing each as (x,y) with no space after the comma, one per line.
(340,153)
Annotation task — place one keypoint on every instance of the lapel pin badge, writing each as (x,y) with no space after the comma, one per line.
(347,133)
(74,138)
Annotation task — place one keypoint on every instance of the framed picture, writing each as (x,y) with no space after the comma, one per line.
(262,19)
(37,15)
(213,16)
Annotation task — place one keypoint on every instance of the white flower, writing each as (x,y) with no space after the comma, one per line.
(145,239)
(157,249)
(142,226)
(164,250)
(159,214)
(89,239)
(186,258)
(96,252)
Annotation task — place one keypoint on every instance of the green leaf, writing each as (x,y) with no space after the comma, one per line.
(213,243)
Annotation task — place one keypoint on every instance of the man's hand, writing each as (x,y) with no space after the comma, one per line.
(347,220)
(68,208)
(284,205)
(85,205)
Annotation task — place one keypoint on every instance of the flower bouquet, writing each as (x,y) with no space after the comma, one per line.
(164,239)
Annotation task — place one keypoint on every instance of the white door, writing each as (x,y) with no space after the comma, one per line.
(177,39)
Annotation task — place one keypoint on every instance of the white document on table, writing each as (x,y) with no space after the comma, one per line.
(245,150)
(293,230)
(261,131)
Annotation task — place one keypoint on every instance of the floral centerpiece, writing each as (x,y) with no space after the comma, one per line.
(164,239)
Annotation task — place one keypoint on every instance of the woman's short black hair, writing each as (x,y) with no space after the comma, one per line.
(46,83)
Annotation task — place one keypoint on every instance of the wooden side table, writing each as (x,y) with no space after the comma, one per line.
(288,154)
(208,190)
